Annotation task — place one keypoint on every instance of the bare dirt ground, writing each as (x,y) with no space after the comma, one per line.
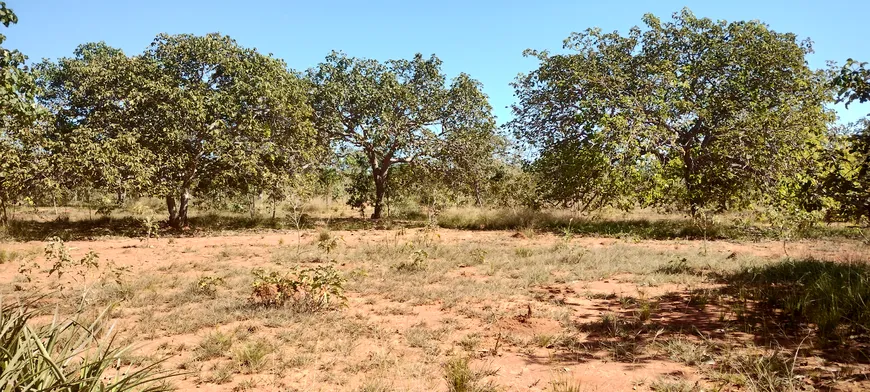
(545,313)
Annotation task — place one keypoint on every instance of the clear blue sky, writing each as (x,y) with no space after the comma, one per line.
(482,38)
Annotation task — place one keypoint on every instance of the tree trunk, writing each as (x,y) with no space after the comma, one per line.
(253,207)
(478,198)
(183,204)
(689,178)
(4,219)
(173,210)
(380,190)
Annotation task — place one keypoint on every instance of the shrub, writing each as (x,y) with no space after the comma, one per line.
(306,290)
(66,356)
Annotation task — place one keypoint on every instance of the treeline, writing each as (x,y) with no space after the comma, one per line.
(694,115)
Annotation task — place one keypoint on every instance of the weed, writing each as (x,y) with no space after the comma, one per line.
(207,285)
(9,256)
(461,378)
(251,357)
(222,374)
(523,252)
(213,345)
(478,256)
(327,242)
(416,264)
(685,351)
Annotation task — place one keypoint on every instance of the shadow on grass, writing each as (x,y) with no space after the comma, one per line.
(654,229)
(818,308)
(201,225)
(792,304)
(205,224)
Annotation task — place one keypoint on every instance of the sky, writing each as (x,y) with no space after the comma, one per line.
(482,38)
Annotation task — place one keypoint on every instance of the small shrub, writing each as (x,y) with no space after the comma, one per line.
(306,290)
(207,285)
(327,242)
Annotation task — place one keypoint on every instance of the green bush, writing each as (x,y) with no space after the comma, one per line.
(66,356)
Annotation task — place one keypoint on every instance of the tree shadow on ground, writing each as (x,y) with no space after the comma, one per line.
(812,315)
(201,225)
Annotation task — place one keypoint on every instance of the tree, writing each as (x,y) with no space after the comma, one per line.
(396,112)
(94,139)
(849,184)
(201,114)
(714,109)
(21,156)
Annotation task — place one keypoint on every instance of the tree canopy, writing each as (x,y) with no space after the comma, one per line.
(192,114)
(21,163)
(715,110)
(397,112)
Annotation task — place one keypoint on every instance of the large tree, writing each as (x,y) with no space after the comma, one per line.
(715,110)
(22,163)
(397,112)
(191,115)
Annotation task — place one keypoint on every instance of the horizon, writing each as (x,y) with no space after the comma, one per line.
(479,39)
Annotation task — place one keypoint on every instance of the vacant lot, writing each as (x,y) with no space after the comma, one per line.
(439,309)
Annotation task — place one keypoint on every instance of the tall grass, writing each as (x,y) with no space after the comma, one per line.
(66,356)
